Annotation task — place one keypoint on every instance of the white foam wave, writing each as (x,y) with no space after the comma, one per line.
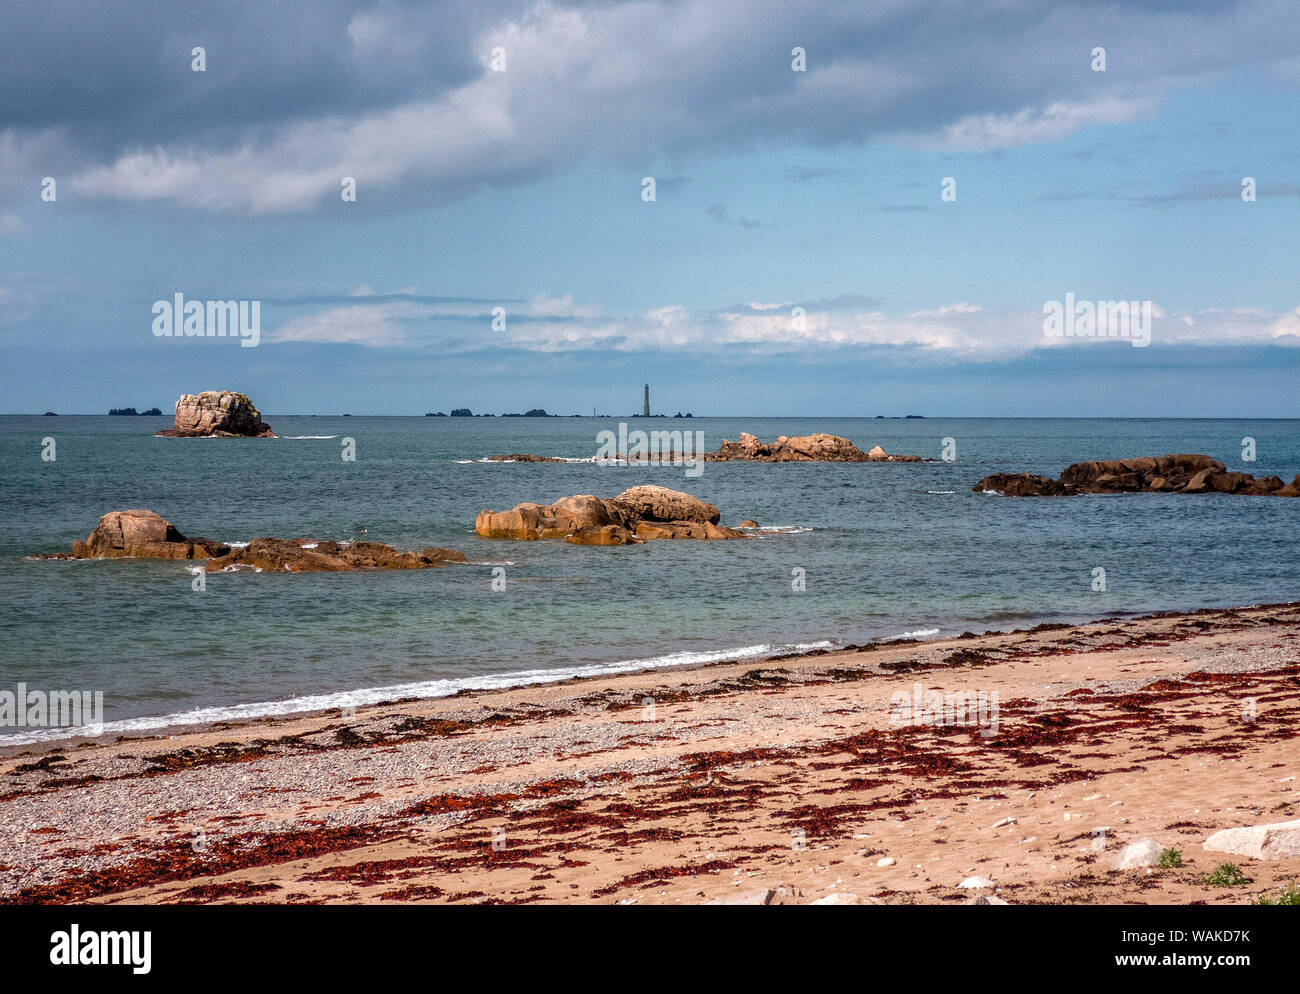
(920,633)
(292,437)
(425,689)
(782,529)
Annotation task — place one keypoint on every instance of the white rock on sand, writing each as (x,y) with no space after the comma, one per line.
(761,896)
(837,899)
(886,861)
(975,883)
(1143,852)
(1279,840)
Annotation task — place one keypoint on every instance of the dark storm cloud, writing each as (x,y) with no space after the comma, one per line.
(401,95)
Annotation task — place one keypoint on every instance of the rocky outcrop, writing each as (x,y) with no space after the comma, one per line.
(301,555)
(120,534)
(523,457)
(651,503)
(217,413)
(636,515)
(149,536)
(1184,473)
(819,447)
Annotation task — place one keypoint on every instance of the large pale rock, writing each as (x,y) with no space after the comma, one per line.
(530,522)
(144,534)
(1279,840)
(750,443)
(635,515)
(651,503)
(220,413)
(1143,852)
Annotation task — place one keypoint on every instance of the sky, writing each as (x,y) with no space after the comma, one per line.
(858,208)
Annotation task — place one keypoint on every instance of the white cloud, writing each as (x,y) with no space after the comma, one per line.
(958,330)
(1032,126)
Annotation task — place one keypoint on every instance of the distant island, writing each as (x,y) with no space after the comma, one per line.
(152,412)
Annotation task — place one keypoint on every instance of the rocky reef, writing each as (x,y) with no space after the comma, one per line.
(305,555)
(636,515)
(147,535)
(819,447)
(1183,474)
(217,413)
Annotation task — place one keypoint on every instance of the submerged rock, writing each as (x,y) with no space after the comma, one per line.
(217,413)
(636,515)
(1186,473)
(819,447)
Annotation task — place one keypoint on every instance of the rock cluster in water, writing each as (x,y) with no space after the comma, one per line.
(217,413)
(144,534)
(1183,474)
(819,447)
(147,535)
(634,516)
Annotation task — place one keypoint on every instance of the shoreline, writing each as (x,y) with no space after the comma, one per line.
(153,726)
(790,776)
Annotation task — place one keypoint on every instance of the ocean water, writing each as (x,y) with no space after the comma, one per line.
(885,549)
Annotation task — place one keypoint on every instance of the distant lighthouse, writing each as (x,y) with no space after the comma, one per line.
(645,408)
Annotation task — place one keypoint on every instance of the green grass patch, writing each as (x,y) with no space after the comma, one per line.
(1170,859)
(1289,895)
(1225,875)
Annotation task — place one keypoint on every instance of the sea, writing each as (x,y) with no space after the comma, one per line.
(846,553)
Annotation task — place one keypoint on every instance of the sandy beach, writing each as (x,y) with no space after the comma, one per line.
(784,781)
